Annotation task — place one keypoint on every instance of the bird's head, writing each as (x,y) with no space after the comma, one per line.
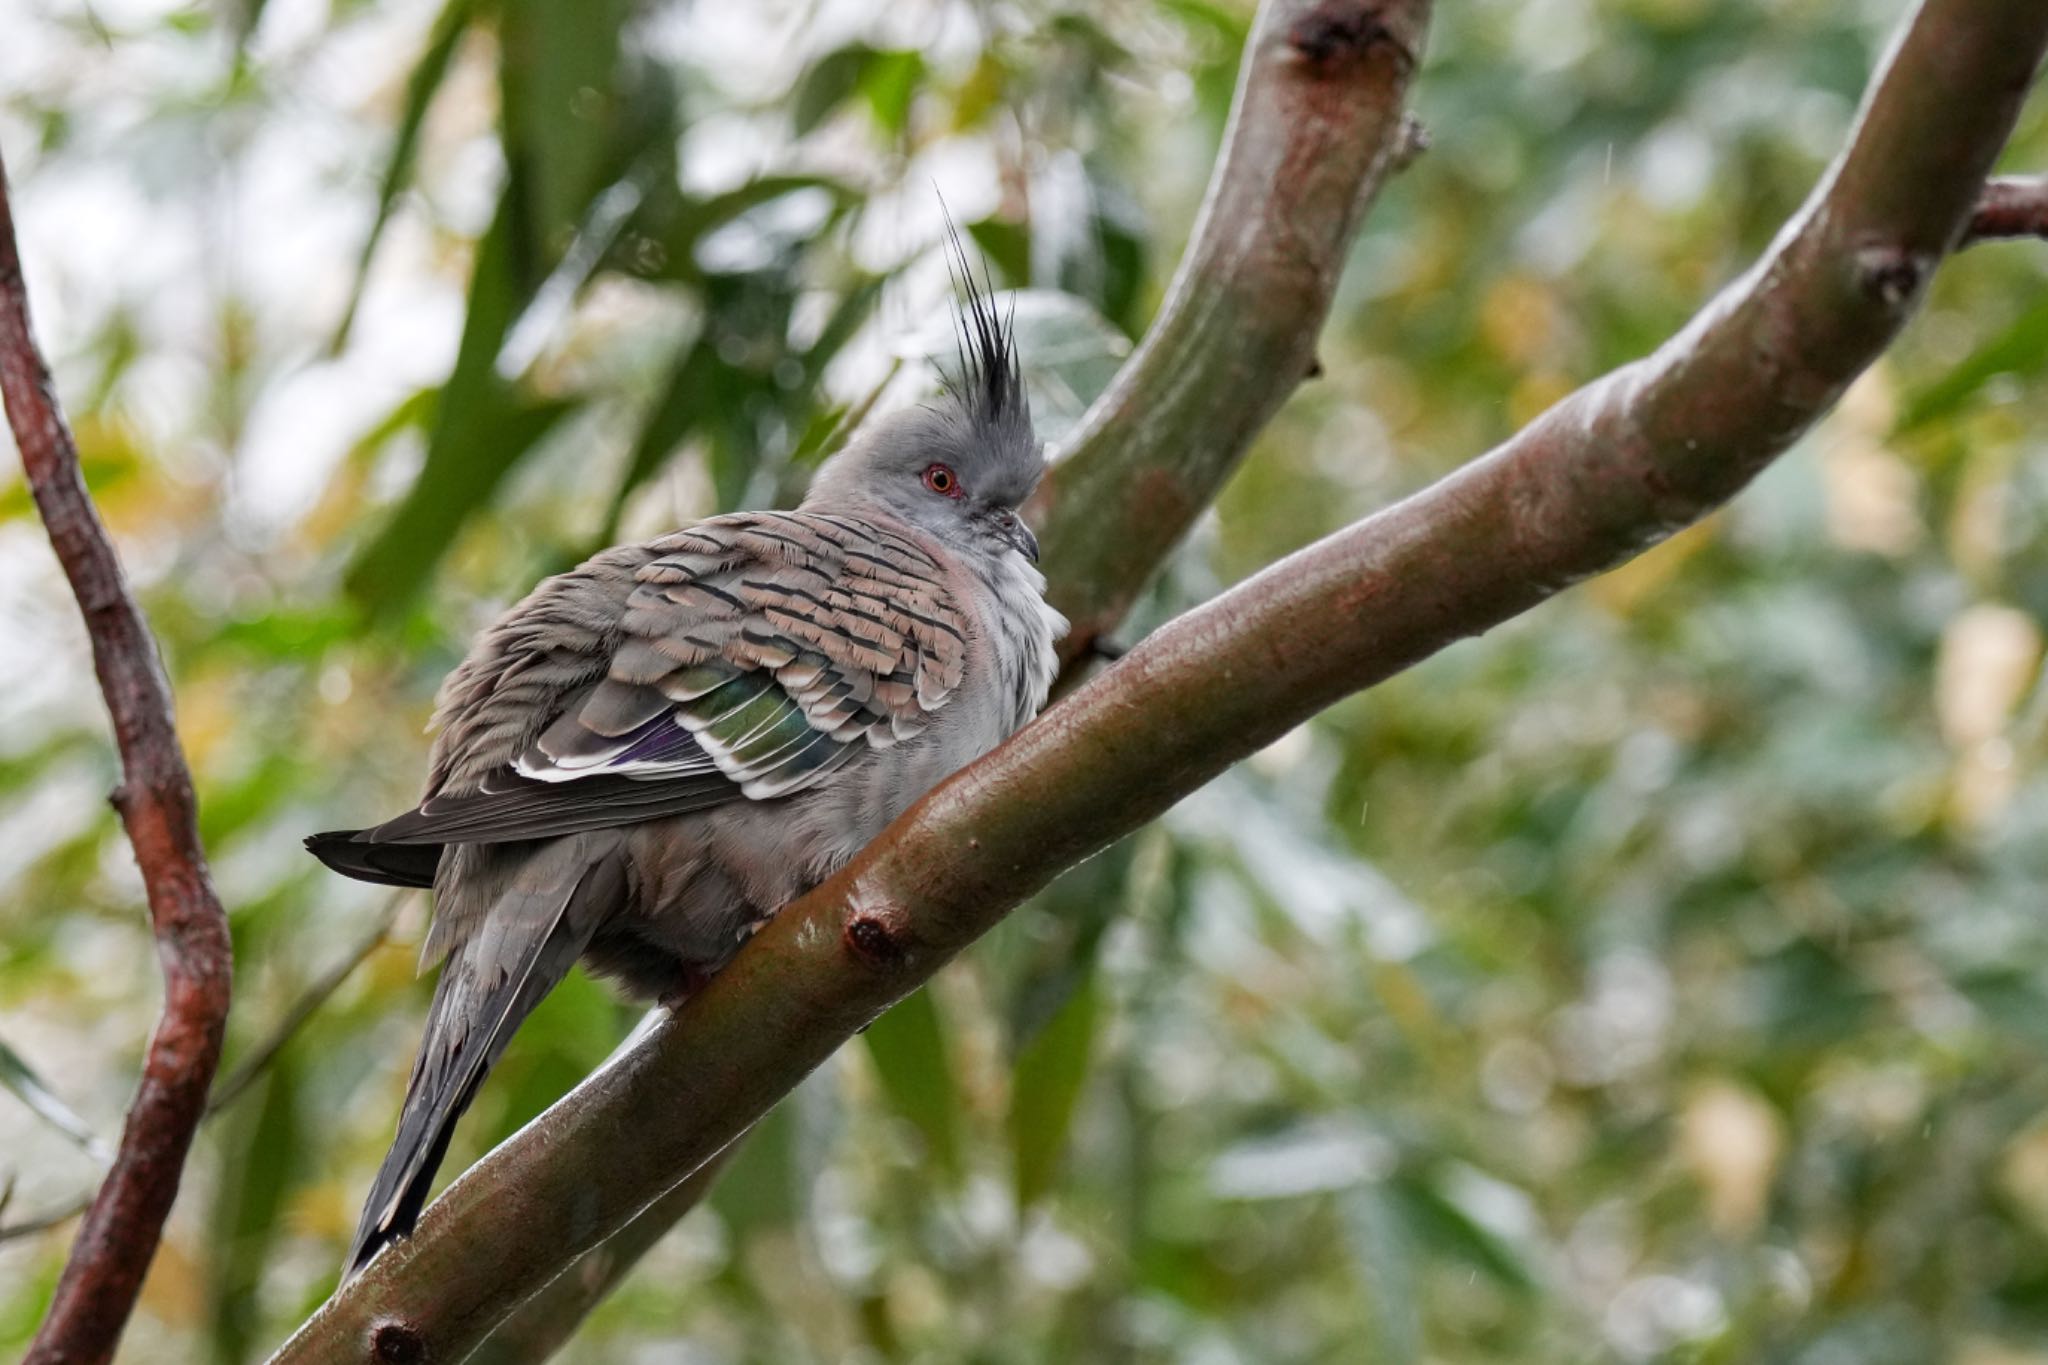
(962,465)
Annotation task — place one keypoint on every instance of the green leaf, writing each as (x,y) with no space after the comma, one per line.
(890,83)
(1007,245)
(1086,37)
(19,1077)
(886,78)
(420,88)
(473,459)
(1069,352)
(908,1047)
(1443,1225)
(2011,1000)
(562,107)
(689,220)
(573,128)
(1383,1260)
(1066,922)
(565,1038)
(830,425)
(244,15)
(759,1190)
(1045,1088)
(676,409)
(1228,24)
(727,400)
(827,84)
(853,310)
(103,473)
(264,1150)
(2021,348)
(481,428)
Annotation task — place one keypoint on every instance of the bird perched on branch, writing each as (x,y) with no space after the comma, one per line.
(646,758)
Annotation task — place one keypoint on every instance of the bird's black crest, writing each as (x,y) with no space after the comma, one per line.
(990,383)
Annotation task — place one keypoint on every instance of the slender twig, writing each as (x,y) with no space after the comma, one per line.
(28,1087)
(2011,206)
(547,1320)
(114,1247)
(43,1222)
(1613,469)
(309,1002)
(260,1057)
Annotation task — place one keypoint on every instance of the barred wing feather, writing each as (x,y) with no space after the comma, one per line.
(756,653)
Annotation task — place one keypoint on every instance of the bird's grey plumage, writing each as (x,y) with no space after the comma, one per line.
(656,751)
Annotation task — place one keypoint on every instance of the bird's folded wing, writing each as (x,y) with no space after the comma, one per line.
(767,648)
(757,653)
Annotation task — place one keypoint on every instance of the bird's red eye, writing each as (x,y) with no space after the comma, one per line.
(941,479)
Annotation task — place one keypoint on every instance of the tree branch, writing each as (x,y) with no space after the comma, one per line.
(237,1083)
(322,988)
(1314,132)
(119,1237)
(1613,469)
(545,1322)
(42,1222)
(2012,206)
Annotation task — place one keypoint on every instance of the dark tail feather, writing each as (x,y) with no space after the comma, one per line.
(526,944)
(386,864)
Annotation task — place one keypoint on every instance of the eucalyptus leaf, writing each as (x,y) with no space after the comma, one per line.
(1045,1087)
(562,104)
(827,84)
(1442,1224)
(1383,1254)
(1070,351)
(29,1088)
(2020,349)
(907,1045)
(266,1143)
(421,86)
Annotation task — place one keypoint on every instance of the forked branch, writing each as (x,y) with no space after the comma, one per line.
(1613,469)
(2011,206)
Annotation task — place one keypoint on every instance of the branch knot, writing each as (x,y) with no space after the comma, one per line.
(1893,275)
(876,938)
(1338,32)
(397,1343)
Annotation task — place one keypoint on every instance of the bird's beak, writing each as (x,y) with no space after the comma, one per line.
(1019,535)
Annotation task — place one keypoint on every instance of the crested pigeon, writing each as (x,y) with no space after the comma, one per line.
(652,753)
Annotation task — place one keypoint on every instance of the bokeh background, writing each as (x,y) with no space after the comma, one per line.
(1662,977)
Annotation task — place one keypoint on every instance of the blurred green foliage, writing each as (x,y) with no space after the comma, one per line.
(1662,977)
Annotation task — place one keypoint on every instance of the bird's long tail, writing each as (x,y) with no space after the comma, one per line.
(521,949)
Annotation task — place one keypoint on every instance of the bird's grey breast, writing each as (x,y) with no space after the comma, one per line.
(1022,628)
(1009,671)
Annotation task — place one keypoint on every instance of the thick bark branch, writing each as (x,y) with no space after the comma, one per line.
(1315,130)
(119,1236)
(1610,471)
(544,1323)
(2011,206)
